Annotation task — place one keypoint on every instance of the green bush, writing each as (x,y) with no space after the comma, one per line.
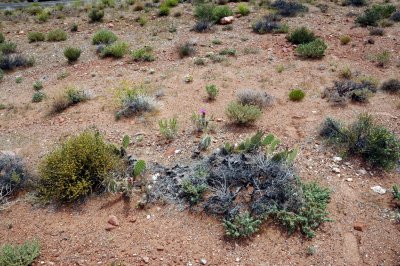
(301,35)
(19,255)
(8,47)
(164,10)
(35,36)
(376,144)
(212,91)
(43,16)
(72,54)
(193,189)
(144,54)
(168,128)
(37,86)
(204,12)
(57,35)
(96,15)
(242,9)
(171,3)
(74,27)
(242,114)
(345,39)
(296,95)
(219,12)
(242,225)
(38,97)
(104,37)
(2,38)
(69,97)
(314,49)
(186,49)
(373,15)
(116,50)
(77,168)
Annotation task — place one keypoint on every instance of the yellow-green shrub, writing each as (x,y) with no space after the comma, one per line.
(78,167)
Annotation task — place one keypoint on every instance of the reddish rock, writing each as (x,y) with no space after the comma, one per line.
(359,226)
(110,227)
(227,20)
(112,219)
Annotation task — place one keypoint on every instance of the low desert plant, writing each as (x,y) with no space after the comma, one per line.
(242,9)
(301,35)
(38,97)
(74,27)
(186,49)
(372,15)
(69,97)
(19,79)
(242,225)
(254,97)
(396,16)
(212,91)
(314,49)
(142,20)
(345,73)
(144,54)
(355,2)
(193,189)
(168,128)
(374,143)
(242,114)
(288,8)
(1,74)
(219,12)
(164,10)
(358,91)
(382,59)
(345,39)
(374,31)
(202,26)
(95,15)
(38,85)
(72,54)
(7,48)
(19,255)
(12,176)
(104,37)
(296,95)
(391,85)
(116,50)
(228,51)
(204,143)
(35,36)
(56,35)
(77,168)
(43,16)
(200,122)
(2,38)
(270,24)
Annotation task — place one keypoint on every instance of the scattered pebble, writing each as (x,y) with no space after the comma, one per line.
(379,190)
(203,261)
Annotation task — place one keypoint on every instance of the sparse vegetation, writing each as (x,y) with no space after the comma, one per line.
(288,8)
(345,39)
(95,15)
(77,168)
(212,91)
(20,255)
(242,225)
(345,73)
(301,35)
(116,50)
(356,91)
(104,37)
(144,54)
(372,15)
(242,9)
(376,31)
(71,96)
(374,143)
(7,48)
(242,114)
(296,95)
(391,85)
(254,97)
(186,49)
(38,85)
(12,176)
(72,54)
(382,59)
(270,24)
(168,128)
(35,36)
(38,97)
(56,35)
(314,49)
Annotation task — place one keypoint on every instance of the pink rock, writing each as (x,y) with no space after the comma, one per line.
(112,219)
(227,20)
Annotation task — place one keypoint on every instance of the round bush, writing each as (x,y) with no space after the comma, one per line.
(96,15)
(296,95)
(72,54)
(242,114)
(301,35)
(78,167)
(392,85)
(104,37)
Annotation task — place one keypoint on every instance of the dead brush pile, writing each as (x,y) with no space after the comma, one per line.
(343,91)
(245,185)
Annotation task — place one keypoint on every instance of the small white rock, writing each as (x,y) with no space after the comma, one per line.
(203,261)
(336,170)
(379,190)
(362,171)
(337,159)
(349,179)
(177,151)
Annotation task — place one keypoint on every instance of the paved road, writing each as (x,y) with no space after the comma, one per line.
(44,3)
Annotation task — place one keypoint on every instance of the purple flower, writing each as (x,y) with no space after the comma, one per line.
(203,111)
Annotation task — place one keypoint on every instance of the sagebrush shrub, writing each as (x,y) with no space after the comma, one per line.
(242,114)
(242,9)
(254,97)
(374,143)
(164,10)
(10,62)
(104,37)
(212,91)
(314,49)
(38,85)
(296,95)
(144,54)
(376,31)
(43,16)
(19,255)
(77,168)
(7,48)
(288,8)
(383,58)
(72,54)
(116,50)
(56,35)
(301,35)
(204,12)
(269,24)
(372,15)
(12,175)
(74,27)
(186,49)
(219,12)
(95,15)
(69,97)
(396,16)
(391,85)
(202,26)
(35,36)
(38,97)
